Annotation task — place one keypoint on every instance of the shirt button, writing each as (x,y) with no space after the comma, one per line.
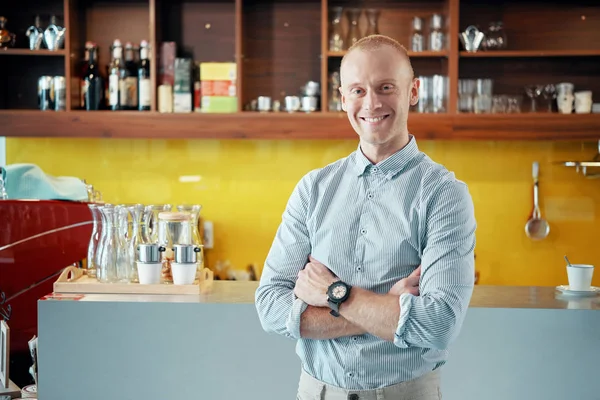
(370,195)
(355,338)
(375,169)
(350,374)
(363,231)
(358,269)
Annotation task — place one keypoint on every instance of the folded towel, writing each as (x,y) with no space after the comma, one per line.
(28,181)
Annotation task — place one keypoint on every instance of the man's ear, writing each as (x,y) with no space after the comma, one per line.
(343,98)
(414,91)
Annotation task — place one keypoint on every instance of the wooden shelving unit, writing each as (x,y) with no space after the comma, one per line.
(279,45)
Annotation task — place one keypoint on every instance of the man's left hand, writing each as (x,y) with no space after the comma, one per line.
(313,282)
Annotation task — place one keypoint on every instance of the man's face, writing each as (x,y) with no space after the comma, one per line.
(377,90)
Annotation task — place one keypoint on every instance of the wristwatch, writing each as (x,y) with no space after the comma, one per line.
(337,293)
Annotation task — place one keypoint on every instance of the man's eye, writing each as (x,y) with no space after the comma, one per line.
(356,91)
(387,87)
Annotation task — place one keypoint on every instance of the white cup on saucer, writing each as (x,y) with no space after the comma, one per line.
(580,276)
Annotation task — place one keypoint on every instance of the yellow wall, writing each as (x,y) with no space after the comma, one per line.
(245,185)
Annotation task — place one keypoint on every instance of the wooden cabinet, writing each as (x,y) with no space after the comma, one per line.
(280,45)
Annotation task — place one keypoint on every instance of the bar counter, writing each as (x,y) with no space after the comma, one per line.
(524,342)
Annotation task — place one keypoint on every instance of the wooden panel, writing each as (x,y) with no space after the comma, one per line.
(453,11)
(281,48)
(396,17)
(19,90)
(511,75)
(298,126)
(33,53)
(531,53)
(203,30)
(153,51)
(69,65)
(239,52)
(536,24)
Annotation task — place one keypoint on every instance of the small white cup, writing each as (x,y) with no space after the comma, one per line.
(183,274)
(583,102)
(565,103)
(149,273)
(580,276)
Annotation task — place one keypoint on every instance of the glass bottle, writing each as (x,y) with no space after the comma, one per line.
(93,84)
(194,211)
(54,35)
(436,35)
(372,21)
(173,228)
(144,77)
(416,37)
(130,80)
(353,15)
(116,83)
(336,39)
(7,39)
(106,271)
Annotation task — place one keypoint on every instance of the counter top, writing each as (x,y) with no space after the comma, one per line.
(238,292)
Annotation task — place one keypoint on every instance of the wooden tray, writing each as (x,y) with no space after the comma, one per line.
(73,280)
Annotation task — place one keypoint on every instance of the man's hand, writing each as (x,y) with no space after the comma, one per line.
(313,282)
(410,284)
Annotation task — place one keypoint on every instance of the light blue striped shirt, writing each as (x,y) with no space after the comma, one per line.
(372,225)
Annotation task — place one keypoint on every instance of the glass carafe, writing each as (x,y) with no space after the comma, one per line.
(106,271)
(151,221)
(124,262)
(372,21)
(336,37)
(353,15)
(138,233)
(194,211)
(94,239)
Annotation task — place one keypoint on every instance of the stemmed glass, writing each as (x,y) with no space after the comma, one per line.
(549,94)
(533,92)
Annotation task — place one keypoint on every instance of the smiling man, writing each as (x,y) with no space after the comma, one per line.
(372,267)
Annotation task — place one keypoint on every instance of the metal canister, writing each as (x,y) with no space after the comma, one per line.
(149,252)
(186,253)
(45,93)
(60,93)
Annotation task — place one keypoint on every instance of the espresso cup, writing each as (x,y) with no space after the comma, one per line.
(580,276)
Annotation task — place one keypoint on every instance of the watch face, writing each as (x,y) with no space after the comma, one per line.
(339,292)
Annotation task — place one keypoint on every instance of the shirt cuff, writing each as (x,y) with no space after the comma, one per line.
(292,323)
(406,301)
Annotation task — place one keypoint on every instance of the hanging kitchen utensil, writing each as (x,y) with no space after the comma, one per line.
(536,228)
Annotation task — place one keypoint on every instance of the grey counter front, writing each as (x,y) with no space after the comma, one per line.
(517,343)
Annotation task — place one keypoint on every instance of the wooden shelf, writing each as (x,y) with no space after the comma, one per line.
(532,53)
(27,52)
(411,54)
(296,126)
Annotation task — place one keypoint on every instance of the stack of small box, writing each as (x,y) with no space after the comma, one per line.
(219,87)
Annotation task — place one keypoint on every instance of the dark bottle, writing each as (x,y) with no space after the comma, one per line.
(129,99)
(93,84)
(145,90)
(116,78)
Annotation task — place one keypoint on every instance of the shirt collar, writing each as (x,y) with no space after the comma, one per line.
(391,165)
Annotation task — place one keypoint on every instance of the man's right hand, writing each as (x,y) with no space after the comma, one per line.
(410,284)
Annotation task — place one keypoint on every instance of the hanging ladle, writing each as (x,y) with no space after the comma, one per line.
(536,228)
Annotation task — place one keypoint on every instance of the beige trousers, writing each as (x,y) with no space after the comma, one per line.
(426,387)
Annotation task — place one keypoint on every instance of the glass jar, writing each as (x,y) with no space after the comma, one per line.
(353,15)
(173,228)
(372,21)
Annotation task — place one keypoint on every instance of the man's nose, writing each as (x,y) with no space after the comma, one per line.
(372,101)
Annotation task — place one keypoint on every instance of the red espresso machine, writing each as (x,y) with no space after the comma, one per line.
(38,238)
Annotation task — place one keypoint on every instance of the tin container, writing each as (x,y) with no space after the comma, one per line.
(60,93)
(45,93)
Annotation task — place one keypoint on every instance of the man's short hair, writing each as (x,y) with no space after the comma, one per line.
(375,42)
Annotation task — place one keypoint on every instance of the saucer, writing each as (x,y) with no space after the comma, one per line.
(593,291)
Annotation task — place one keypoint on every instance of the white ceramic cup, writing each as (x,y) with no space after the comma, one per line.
(583,102)
(149,273)
(580,276)
(183,274)
(565,103)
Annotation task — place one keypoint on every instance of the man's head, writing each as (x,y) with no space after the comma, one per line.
(378,88)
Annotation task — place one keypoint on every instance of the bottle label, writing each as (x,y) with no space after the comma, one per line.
(84,88)
(113,90)
(143,53)
(131,91)
(145,92)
